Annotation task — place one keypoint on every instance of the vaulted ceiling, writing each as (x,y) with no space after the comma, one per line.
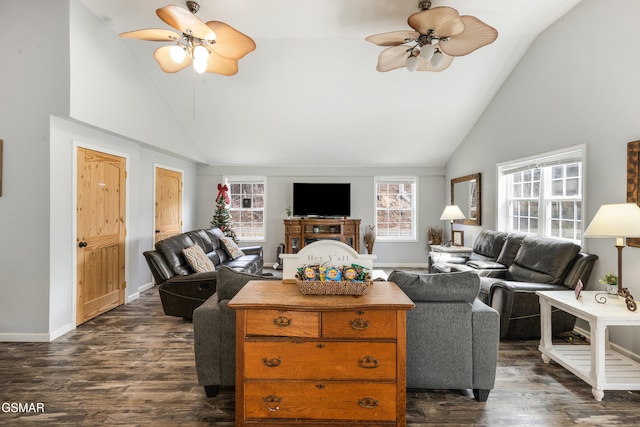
(310,94)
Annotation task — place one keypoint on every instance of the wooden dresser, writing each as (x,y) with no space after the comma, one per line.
(320,359)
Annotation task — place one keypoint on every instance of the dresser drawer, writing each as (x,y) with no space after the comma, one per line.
(329,400)
(359,324)
(280,323)
(320,360)
(348,229)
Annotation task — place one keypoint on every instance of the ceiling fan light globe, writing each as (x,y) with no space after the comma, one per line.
(438,58)
(427,51)
(200,53)
(200,65)
(177,54)
(412,63)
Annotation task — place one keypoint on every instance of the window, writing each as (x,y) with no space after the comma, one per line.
(395,208)
(543,195)
(247,195)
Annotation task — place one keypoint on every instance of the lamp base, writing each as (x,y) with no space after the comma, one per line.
(628,299)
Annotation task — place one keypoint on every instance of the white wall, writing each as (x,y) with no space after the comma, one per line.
(110,91)
(37,247)
(572,87)
(279,195)
(65,137)
(34,83)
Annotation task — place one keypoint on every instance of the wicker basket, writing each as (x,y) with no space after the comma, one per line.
(313,287)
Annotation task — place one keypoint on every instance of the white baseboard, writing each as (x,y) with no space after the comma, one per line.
(24,337)
(136,295)
(401,265)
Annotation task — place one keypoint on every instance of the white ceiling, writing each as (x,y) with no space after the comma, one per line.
(310,95)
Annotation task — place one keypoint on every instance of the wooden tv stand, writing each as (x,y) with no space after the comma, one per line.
(299,232)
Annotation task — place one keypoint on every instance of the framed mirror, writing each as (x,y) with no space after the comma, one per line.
(465,192)
(633,187)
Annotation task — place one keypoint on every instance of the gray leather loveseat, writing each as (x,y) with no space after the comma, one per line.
(181,288)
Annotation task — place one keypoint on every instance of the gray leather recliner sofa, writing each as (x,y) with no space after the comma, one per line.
(181,289)
(514,266)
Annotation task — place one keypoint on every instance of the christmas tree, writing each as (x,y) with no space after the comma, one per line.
(222,215)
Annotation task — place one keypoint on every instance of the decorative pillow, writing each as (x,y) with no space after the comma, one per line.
(232,249)
(197,259)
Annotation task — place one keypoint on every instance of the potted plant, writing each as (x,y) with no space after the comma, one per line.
(611,280)
(288,211)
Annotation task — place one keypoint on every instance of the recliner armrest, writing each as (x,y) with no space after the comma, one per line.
(252,250)
(160,270)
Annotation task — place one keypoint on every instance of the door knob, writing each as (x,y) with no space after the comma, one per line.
(82,244)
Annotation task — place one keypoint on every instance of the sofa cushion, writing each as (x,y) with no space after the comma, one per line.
(230,281)
(232,249)
(510,249)
(197,259)
(542,260)
(450,287)
(488,245)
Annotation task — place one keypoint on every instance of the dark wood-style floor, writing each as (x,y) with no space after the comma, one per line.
(134,366)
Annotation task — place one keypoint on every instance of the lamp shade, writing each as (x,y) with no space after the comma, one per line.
(615,220)
(452,212)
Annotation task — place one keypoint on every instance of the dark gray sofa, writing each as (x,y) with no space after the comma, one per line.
(214,331)
(514,266)
(181,289)
(452,337)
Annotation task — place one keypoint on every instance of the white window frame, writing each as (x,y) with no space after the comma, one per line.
(544,162)
(413,181)
(243,179)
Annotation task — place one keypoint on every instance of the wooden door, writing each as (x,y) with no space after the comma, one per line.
(168,203)
(100,233)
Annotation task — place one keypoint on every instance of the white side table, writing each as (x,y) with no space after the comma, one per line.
(596,364)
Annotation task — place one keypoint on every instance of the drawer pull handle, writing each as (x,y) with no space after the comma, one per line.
(368,403)
(368,362)
(359,324)
(282,322)
(273,402)
(320,386)
(320,346)
(272,363)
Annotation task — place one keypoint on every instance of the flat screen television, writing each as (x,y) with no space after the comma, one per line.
(321,199)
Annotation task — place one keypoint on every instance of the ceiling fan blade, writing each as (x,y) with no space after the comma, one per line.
(393,38)
(426,65)
(167,64)
(445,21)
(230,43)
(183,20)
(221,65)
(392,58)
(476,35)
(152,34)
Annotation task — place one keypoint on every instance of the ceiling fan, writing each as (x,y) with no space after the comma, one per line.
(214,47)
(439,35)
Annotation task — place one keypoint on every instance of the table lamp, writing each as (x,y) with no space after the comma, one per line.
(620,221)
(451,212)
